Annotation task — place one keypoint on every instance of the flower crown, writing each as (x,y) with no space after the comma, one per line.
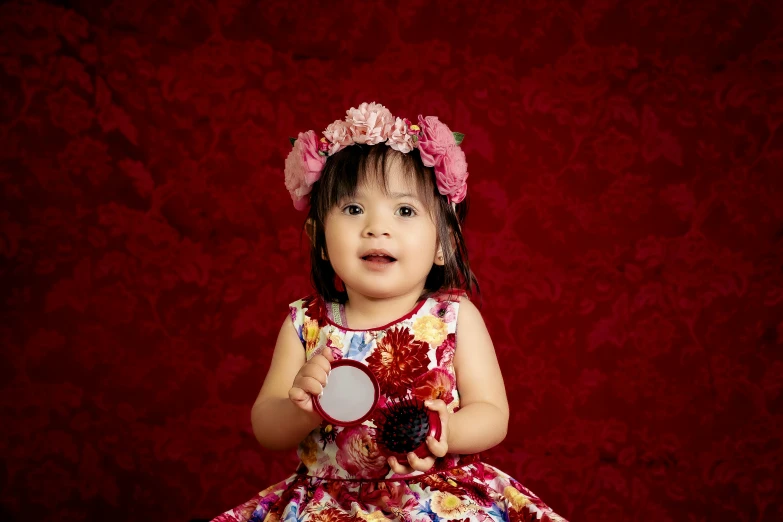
(372,123)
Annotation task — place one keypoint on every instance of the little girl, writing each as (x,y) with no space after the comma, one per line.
(385,202)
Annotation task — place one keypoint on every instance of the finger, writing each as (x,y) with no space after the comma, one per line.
(420,464)
(397,467)
(327,352)
(321,362)
(443,414)
(437,405)
(310,385)
(442,408)
(299,397)
(436,447)
(316,372)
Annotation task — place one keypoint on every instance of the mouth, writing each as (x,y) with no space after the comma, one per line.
(378,256)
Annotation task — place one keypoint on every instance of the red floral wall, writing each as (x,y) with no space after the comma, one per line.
(626,227)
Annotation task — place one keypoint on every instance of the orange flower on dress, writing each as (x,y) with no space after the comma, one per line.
(398,359)
(435,384)
(517,499)
(308,451)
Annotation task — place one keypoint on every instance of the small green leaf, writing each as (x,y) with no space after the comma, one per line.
(458,137)
(292,140)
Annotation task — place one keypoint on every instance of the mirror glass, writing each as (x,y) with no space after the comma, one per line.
(349,395)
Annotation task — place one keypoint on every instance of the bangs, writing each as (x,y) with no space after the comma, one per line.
(360,164)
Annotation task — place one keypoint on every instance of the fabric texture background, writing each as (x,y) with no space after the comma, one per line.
(626,226)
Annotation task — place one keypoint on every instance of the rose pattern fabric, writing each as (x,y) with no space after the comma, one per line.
(624,225)
(358,453)
(382,501)
(343,468)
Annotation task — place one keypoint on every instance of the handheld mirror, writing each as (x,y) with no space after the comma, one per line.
(350,395)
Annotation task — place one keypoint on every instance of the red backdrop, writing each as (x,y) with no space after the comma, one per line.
(626,227)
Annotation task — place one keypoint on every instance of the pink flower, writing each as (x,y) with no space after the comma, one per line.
(303,167)
(371,123)
(445,311)
(444,355)
(452,174)
(435,138)
(400,139)
(339,136)
(357,452)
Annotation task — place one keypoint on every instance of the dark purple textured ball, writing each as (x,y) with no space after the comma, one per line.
(404,426)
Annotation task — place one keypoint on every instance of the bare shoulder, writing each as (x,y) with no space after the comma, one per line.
(288,343)
(469,315)
(471,330)
(465,304)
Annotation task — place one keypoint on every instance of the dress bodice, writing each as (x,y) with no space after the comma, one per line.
(410,357)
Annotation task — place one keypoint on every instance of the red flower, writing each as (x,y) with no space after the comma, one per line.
(315,308)
(397,361)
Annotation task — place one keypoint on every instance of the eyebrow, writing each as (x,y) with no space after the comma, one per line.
(392,195)
(400,195)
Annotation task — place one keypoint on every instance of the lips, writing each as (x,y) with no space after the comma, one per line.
(378,256)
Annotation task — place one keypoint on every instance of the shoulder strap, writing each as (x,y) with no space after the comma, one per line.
(297,312)
(309,318)
(446,308)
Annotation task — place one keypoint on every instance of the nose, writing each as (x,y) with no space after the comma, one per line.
(375,226)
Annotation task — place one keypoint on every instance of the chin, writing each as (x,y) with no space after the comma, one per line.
(377,293)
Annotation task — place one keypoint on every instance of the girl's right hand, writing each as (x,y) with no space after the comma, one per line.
(311,379)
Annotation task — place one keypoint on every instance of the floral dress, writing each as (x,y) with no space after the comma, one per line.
(344,477)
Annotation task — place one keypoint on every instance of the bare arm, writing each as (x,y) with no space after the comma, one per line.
(482,420)
(279,423)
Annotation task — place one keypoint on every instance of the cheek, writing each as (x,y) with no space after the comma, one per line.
(338,246)
(424,242)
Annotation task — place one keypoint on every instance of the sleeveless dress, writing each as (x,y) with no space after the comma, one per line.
(342,476)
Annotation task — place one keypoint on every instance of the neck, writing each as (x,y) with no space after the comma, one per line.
(369,312)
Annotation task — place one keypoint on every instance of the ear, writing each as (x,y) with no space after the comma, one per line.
(310,230)
(439,260)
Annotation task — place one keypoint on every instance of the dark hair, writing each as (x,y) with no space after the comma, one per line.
(342,174)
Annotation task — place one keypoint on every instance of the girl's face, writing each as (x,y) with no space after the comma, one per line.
(382,245)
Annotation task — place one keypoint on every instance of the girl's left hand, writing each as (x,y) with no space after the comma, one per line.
(438,448)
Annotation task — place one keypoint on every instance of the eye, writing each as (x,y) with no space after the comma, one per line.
(406,211)
(352,210)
